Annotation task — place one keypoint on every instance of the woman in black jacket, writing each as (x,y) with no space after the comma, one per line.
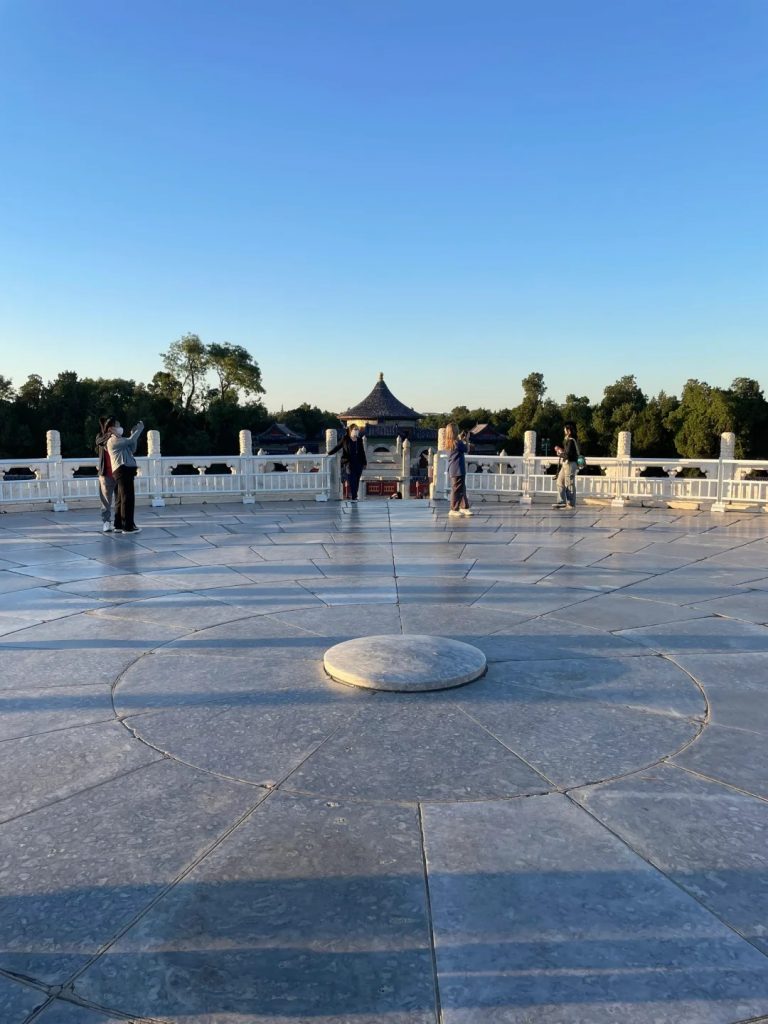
(353,460)
(566,478)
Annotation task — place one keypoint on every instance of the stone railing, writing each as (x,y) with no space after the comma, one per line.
(714,484)
(52,481)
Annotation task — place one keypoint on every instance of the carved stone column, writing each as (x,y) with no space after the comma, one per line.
(55,471)
(155,464)
(725,471)
(529,467)
(406,469)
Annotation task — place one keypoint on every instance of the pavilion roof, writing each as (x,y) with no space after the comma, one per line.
(380,404)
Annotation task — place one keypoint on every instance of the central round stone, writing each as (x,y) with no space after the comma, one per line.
(406,663)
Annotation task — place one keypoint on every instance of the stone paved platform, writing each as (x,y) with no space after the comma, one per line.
(198,826)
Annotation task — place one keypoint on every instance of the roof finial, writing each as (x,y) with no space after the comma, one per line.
(381,375)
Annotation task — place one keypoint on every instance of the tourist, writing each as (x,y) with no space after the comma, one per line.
(457,470)
(121,451)
(106,478)
(566,478)
(353,460)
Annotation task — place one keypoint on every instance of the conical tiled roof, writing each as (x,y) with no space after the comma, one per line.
(381,404)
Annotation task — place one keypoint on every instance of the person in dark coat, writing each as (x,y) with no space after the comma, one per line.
(353,460)
(568,454)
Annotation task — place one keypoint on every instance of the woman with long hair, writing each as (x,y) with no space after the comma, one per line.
(457,470)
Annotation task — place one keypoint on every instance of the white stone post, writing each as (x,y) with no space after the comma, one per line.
(725,470)
(55,471)
(529,467)
(155,466)
(406,469)
(334,476)
(399,444)
(247,467)
(623,468)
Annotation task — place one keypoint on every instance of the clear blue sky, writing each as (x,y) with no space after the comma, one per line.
(456,193)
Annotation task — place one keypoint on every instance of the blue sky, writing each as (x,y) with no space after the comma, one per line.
(454,193)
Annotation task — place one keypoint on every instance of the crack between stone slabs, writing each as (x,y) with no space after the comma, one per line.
(700,723)
(551,785)
(68,985)
(61,728)
(269,786)
(78,792)
(430,921)
(719,782)
(655,867)
(72,1000)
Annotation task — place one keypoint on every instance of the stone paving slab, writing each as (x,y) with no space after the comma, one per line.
(312,914)
(310,910)
(18,1001)
(736,686)
(438,754)
(53,765)
(33,710)
(711,840)
(571,742)
(734,756)
(68,889)
(541,915)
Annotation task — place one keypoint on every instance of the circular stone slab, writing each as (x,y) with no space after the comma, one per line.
(404,663)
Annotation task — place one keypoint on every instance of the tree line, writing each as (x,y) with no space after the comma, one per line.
(206,394)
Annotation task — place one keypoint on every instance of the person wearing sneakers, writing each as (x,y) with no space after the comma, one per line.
(121,451)
(457,470)
(569,463)
(106,479)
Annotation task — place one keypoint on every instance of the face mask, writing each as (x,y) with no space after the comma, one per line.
(118,431)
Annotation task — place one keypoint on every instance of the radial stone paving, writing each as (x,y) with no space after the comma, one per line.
(201,825)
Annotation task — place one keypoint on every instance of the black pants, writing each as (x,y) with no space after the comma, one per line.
(125,499)
(352,475)
(458,493)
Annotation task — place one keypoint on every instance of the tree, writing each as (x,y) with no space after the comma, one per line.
(652,434)
(187,360)
(6,389)
(703,414)
(750,417)
(32,391)
(524,414)
(236,370)
(621,403)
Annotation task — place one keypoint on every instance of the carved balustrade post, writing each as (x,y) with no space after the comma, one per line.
(55,471)
(155,469)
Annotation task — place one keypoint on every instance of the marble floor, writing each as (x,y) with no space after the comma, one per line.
(198,826)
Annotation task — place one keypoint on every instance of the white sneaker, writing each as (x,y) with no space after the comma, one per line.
(454,512)
(107,528)
(466,511)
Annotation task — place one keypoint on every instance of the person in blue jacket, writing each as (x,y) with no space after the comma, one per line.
(457,447)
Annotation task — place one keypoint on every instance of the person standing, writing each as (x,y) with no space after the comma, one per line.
(457,471)
(106,478)
(353,460)
(121,451)
(569,463)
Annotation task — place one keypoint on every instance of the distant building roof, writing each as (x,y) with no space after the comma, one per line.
(381,404)
(279,432)
(484,431)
